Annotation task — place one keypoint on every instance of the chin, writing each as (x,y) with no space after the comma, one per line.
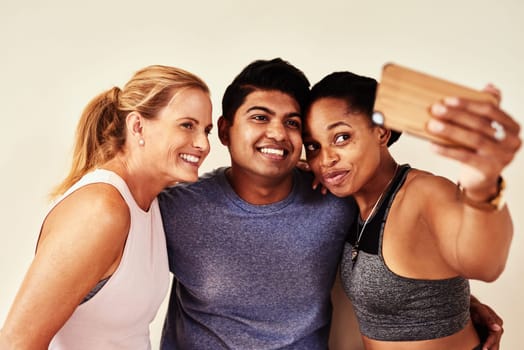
(193,177)
(339,192)
(188,177)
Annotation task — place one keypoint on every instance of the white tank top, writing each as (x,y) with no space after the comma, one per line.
(119,314)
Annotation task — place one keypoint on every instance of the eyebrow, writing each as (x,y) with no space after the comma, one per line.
(337,124)
(272,112)
(194,120)
(330,127)
(189,118)
(265,109)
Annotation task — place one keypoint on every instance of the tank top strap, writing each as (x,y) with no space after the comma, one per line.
(382,214)
(101,176)
(371,237)
(394,187)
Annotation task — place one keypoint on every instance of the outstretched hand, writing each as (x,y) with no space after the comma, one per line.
(490,137)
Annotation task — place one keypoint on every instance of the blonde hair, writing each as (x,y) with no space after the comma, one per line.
(101,130)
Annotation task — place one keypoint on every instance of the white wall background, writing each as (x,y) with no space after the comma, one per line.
(57,54)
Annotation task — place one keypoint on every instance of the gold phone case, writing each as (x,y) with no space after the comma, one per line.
(404,98)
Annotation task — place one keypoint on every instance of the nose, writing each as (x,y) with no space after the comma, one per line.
(201,142)
(328,157)
(276,130)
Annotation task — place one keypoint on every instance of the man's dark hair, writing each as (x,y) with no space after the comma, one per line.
(275,74)
(357,91)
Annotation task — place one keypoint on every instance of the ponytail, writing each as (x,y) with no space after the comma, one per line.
(99,135)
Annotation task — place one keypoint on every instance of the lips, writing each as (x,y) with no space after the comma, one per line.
(335,177)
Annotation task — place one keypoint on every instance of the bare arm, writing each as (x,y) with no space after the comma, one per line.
(81,242)
(478,233)
(474,243)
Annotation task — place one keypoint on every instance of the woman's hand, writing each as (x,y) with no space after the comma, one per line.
(487,323)
(303,165)
(489,135)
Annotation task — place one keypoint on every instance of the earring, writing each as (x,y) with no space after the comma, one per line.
(141,142)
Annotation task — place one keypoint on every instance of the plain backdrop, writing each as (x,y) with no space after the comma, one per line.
(57,54)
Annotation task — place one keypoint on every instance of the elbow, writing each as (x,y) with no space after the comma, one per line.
(494,273)
(484,263)
(488,273)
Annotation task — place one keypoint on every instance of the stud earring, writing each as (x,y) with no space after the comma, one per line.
(141,142)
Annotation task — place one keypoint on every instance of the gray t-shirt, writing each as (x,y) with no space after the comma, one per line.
(251,276)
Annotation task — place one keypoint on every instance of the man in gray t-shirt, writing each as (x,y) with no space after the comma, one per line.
(254,250)
(251,276)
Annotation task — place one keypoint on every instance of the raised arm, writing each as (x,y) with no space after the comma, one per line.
(481,231)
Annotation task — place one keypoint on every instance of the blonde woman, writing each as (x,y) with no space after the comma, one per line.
(100,271)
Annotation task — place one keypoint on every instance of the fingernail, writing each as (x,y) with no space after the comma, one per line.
(451,101)
(435,125)
(496,327)
(438,109)
(435,147)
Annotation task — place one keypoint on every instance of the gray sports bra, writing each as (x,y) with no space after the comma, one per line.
(390,307)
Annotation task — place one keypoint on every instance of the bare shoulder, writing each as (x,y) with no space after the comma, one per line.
(102,201)
(424,183)
(95,211)
(429,194)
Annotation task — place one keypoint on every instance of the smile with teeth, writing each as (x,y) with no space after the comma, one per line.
(273,151)
(190,158)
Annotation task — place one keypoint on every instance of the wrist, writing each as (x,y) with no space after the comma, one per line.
(484,193)
(487,200)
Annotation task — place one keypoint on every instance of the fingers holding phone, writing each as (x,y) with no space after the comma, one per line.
(489,136)
(463,123)
(405,96)
(480,125)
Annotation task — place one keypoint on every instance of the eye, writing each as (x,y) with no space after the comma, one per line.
(294,123)
(260,117)
(208,130)
(187,125)
(341,138)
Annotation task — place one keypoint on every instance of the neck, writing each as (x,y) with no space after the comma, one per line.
(259,189)
(367,199)
(142,194)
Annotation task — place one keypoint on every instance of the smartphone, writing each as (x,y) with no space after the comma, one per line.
(404,98)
